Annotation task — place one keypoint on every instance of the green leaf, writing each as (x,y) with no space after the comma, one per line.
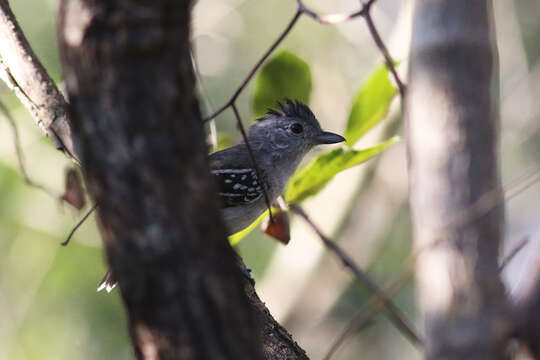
(235,238)
(312,178)
(224,141)
(284,76)
(371,105)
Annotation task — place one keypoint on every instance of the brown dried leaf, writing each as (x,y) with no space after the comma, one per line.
(278,229)
(74,194)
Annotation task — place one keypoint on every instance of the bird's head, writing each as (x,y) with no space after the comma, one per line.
(292,128)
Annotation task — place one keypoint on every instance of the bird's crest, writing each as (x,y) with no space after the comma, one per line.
(290,108)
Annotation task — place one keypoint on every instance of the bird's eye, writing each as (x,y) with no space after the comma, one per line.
(297,128)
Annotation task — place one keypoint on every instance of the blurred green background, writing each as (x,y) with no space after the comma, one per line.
(48,303)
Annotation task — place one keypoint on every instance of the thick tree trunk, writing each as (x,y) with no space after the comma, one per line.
(455,191)
(138,131)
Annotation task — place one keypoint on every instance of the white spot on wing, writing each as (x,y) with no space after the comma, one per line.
(230,194)
(231,171)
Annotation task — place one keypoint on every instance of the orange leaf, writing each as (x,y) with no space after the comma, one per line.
(278,229)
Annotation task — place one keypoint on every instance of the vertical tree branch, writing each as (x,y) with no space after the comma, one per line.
(137,123)
(452,145)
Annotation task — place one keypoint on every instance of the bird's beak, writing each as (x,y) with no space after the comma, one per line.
(329,138)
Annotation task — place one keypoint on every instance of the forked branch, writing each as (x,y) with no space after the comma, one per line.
(328,19)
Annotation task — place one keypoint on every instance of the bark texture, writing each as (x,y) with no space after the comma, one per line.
(23,73)
(139,134)
(455,192)
(526,315)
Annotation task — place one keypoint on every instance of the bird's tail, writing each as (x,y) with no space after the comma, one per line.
(108,283)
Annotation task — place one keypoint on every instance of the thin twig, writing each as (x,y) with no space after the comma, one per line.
(64,243)
(20,155)
(365,12)
(491,199)
(513,253)
(525,183)
(250,150)
(530,172)
(487,202)
(256,67)
(371,307)
(361,323)
(383,49)
(231,102)
(395,315)
(330,19)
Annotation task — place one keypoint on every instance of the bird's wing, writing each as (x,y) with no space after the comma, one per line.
(235,177)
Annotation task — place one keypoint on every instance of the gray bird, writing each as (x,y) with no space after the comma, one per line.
(279,141)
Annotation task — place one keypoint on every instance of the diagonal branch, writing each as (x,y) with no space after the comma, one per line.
(516,250)
(22,72)
(20,155)
(328,19)
(256,67)
(369,309)
(78,225)
(384,51)
(250,151)
(395,315)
